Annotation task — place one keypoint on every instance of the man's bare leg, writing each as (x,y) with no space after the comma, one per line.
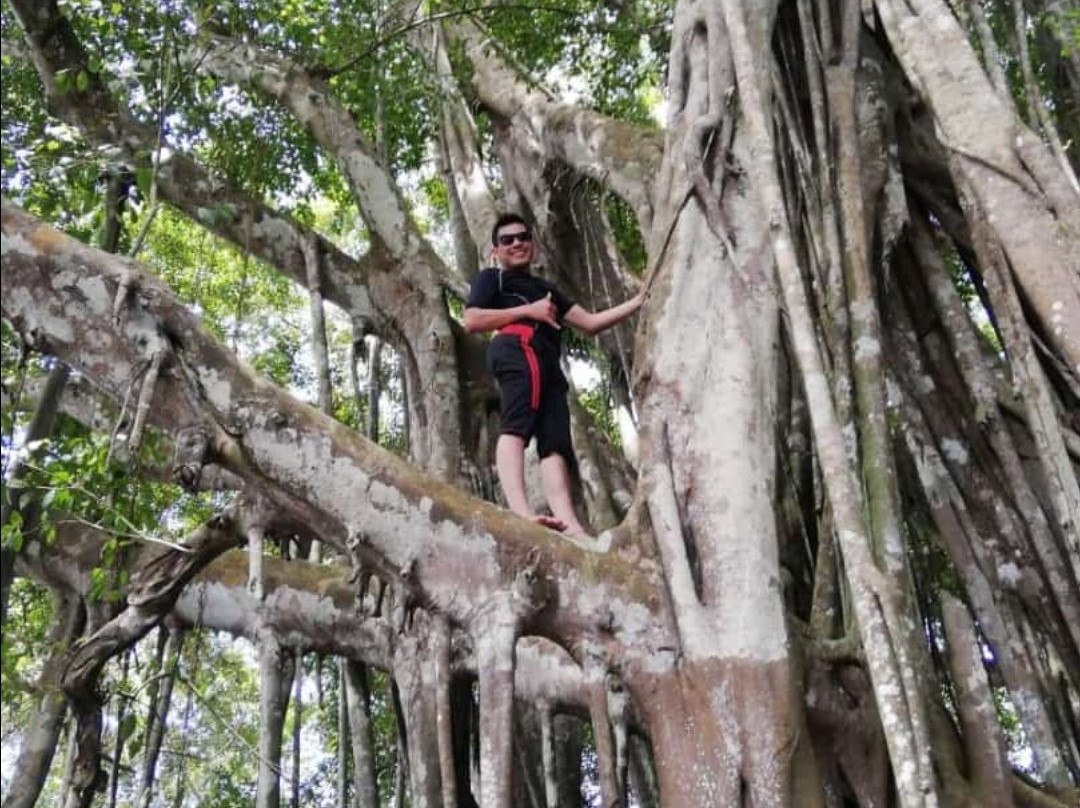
(510,464)
(555,478)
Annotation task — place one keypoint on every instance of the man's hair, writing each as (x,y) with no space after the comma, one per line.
(503,221)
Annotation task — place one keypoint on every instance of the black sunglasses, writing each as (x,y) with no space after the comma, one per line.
(505,240)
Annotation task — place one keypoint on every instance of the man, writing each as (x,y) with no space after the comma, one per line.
(526,313)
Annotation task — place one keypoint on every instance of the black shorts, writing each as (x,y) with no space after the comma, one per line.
(533,390)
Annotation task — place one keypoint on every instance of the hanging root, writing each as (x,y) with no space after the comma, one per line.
(697,147)
(404,602)
(547,747)
(530,591)
(191,453)
(667,525)
(610,762)
(495,634)
(618,707)
(146,396)
(988,766)
(443,712)
(121,419)
(359,575)
(255,536)
(123,292)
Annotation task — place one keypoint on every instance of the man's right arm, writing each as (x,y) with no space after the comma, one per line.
(542,311)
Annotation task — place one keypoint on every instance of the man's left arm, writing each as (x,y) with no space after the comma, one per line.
(593,322)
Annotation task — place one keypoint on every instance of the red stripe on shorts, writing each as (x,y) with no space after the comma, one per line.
(524,333)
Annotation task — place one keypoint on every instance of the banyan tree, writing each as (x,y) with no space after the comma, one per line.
(830,468)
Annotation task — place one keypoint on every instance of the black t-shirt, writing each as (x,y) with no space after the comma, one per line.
(495,288)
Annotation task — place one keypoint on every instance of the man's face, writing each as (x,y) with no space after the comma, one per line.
(513,246)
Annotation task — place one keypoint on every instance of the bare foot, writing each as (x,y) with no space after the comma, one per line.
(549,522)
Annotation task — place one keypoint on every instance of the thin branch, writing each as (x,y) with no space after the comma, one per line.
(331,72)
(206,705)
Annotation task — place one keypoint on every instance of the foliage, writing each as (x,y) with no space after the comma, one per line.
(212,731)
(25,647)
(611,56)
(78,480)
(970,288)
(624,228)
(608,55)
(597,401)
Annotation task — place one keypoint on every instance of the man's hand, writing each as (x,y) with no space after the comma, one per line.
(544,311)
(591,323)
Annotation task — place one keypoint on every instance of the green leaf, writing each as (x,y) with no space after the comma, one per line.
(82,81)
(13,535)
(144,178)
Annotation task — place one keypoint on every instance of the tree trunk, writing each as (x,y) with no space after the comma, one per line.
(40,739)
(119,741)
(827,445)
(298,715)
(361,732)
(40,427)
(160,703)
(274,662)
(986,750)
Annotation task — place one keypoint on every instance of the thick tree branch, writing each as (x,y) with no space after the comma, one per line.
(313,103)
(227,211)
(415,289)
(620,155)
(453,551)
(310,607)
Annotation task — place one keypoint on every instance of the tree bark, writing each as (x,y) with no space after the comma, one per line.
(40,427)
(273,704)
(160,703)
(427,340)
(757,601)
(1005,169)
(989,768)
(361,735)
(43,734)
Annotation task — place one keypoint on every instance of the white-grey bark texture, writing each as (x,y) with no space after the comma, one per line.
(828,440)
